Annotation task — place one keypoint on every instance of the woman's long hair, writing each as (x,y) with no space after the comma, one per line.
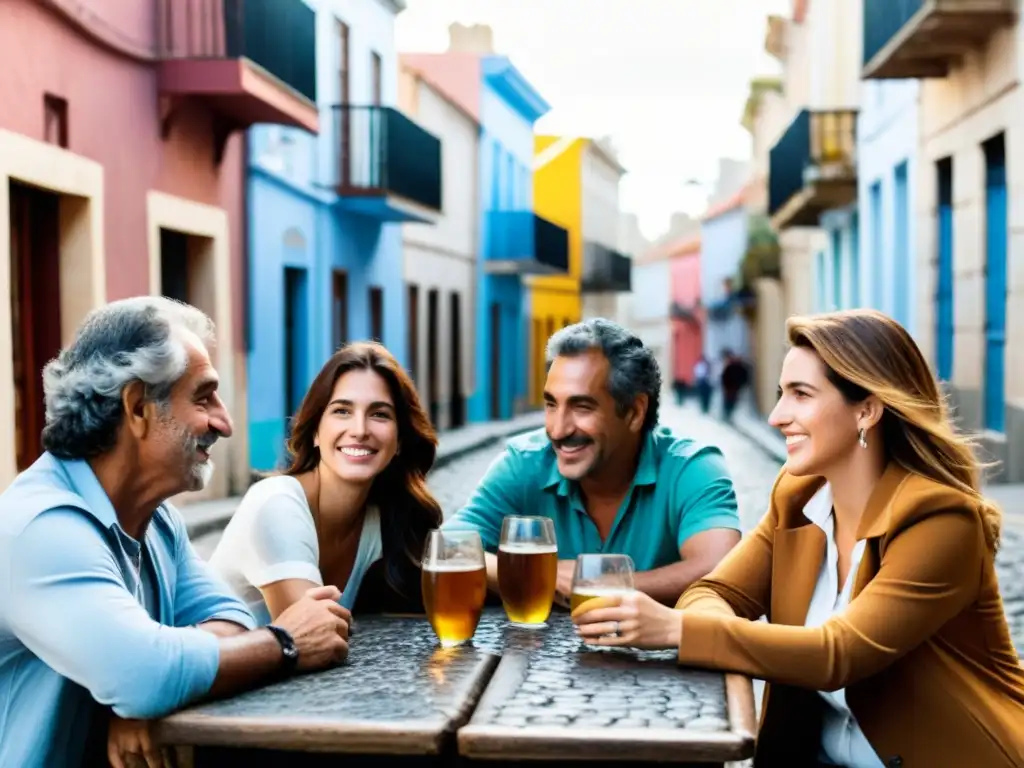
(868,353)
(408,511)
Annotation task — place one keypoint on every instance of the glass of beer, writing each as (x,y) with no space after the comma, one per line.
(601,576)
(454,582)
(527,568)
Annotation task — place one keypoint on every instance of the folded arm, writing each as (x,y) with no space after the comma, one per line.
(929,573)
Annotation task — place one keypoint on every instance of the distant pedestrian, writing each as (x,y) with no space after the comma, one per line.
(702,383)
(680,388)
(734,378)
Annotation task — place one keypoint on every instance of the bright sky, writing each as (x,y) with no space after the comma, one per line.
(665,79)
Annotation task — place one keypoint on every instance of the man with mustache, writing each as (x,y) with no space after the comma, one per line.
(102,599)
(609,477)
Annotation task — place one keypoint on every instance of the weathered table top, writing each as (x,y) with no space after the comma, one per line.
(550,697)
(553,697)
(399,693)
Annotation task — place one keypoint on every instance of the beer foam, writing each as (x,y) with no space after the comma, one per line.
(453,567)
(528,548)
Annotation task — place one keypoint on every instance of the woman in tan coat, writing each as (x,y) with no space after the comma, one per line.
(886,642)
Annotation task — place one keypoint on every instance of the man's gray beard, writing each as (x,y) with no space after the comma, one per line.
(202,473)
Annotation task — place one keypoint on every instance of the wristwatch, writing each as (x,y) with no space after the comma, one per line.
(288,650)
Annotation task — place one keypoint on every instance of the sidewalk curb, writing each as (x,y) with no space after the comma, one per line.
(222,511)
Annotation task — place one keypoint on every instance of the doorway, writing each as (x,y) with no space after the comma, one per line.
(433,369)
(35,310)
(944,288)
(495,331)
(457,405)
(377,314)
(295,336)
(339,308)
(996,235)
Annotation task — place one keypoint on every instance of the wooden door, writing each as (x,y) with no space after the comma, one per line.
(35,310)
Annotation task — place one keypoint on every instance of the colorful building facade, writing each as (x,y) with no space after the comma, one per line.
(687,310)
(120,175)
(514,242)
(325,215)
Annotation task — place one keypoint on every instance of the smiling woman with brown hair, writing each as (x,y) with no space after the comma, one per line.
(886,642)
(353,504)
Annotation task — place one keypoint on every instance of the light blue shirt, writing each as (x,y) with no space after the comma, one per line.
(74,626)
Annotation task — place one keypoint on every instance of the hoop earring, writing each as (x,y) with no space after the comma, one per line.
(861,439)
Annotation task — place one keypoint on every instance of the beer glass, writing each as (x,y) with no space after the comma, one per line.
(454,582)
(601,576)
(527,569)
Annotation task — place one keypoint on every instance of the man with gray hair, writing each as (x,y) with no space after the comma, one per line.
(607,475)
(102,598)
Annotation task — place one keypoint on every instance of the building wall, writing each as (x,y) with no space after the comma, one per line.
(723,244)
(687,338)
(554,300)
(836,282)
(887,146)
(649,305)
(506,183)
(294,223)
(115,159)
(979,99)
(443,257)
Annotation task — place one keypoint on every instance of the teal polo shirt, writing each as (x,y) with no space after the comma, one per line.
(680,489)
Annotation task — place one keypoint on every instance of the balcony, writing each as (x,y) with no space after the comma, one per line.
(389,168)
(605,270)
(523,243)
(250,61)
(922,38)
(813,167)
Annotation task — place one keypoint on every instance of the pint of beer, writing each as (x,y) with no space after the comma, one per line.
(454,582)
(527,569)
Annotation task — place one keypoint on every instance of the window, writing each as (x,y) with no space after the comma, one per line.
(55,120)
(377,313)
(339,308)
(413,330)
(377,77)
(341,32)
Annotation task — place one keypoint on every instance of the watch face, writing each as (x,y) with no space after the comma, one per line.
(291,653)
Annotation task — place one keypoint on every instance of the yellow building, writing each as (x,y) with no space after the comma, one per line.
(554,300)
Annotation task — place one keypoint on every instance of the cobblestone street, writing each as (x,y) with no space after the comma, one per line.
(753,473)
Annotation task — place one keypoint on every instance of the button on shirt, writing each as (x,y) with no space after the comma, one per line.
(680,489)
(88,614)
(842,741)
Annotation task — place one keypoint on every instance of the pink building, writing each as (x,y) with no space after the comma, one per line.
(687,315)
(121,173)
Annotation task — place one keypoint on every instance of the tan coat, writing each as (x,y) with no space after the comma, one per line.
(923,649)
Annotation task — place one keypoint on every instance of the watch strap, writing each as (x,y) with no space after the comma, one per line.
(289,651)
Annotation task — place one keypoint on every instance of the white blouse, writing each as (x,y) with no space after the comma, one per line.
(272,537)
(842,741)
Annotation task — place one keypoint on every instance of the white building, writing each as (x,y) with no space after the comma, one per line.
(440,260)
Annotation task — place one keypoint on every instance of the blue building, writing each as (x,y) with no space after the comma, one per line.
(514,241)
(887,148)
(324,215)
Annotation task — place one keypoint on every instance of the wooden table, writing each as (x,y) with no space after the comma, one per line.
(549,700)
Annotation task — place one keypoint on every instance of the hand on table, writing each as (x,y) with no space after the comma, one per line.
(319,626)
(639,620)
(129,744)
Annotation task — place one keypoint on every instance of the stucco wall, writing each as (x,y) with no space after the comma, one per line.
(978,100)
(444,256)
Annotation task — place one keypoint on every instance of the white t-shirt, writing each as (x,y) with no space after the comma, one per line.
(272,537)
